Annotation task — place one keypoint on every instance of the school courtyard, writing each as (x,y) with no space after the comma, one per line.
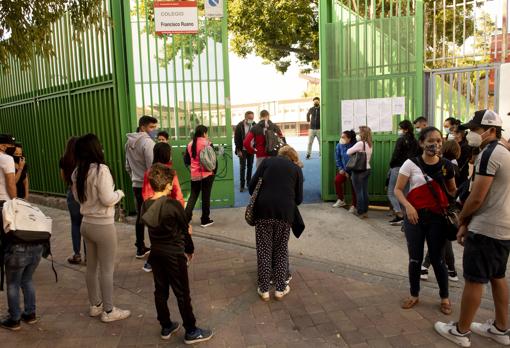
(348,279)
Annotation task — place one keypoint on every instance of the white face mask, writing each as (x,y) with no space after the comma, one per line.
(358,137)
(474,139)
(450,136)
(400,132)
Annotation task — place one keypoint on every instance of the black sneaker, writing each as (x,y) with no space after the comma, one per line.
(29,318)
(142,252)
(167,332)
(397,221)
(207,223)
(452,276)
(10,324)
(307,157)
(199,335)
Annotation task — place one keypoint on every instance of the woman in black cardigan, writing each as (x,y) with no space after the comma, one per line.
(280,194)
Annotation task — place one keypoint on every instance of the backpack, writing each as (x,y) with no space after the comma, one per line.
(208,158)
(26,224)
(273,142)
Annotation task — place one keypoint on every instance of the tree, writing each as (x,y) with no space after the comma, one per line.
(276,31)
(26,25)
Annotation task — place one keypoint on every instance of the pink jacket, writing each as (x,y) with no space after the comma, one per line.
(197,172)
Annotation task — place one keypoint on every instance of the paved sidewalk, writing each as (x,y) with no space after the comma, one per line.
(329,305)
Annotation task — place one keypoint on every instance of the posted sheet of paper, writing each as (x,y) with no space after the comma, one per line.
(386,117)
(373,114)
(347,116)
(399,105)
(360,113)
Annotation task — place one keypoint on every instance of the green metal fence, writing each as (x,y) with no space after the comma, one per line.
(103,83)
(72,93)
(368,49)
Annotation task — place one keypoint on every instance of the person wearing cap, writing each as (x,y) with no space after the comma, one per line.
(485,234)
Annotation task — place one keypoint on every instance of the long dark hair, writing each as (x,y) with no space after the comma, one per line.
(162,153)
(200,131)
(352,136)
(69,159)
(88,150)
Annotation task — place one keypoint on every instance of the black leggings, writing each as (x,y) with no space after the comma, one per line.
(432,229)
(203,186)
(448,257)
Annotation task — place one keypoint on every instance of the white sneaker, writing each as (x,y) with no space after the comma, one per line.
(450,332)
(488,329)
(339,203)
(114,315)
(424,275)
(264,296)
(279,295)
(96,311)
(352,209)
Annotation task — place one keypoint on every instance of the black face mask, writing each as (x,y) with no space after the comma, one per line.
(17,159)
(10,151)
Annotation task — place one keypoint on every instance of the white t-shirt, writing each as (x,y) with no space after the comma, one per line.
(493,218)
(6,167)
(358,147)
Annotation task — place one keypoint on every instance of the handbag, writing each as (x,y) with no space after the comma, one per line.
(358,161)
(298,225)
(249,214)
(451,213)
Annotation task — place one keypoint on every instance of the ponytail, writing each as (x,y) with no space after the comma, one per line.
(200,131)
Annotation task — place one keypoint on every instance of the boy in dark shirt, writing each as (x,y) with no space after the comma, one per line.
(171,248)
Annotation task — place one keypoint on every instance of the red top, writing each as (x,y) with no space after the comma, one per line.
(176,193)
(260,144)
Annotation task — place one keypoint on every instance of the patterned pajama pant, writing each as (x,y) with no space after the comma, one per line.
(272,240)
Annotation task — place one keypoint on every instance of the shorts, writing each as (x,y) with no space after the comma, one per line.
(484,258)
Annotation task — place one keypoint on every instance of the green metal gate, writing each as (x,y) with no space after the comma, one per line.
(183,81)
(106,81)
(368,49)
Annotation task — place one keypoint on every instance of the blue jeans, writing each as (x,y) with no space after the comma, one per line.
(76,217)
(20,264)
(360,183)
(391,188)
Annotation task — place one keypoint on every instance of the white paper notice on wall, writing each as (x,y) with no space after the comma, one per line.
(373,114)
(398,105)
(360,113)
(386,116)
(347,116)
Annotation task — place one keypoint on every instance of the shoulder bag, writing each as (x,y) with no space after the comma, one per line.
(358,161)
(249,214)
(451,214)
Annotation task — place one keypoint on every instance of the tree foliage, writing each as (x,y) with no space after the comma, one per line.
(26,25)
(276,31)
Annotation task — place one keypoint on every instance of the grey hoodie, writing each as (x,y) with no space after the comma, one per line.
(139,156)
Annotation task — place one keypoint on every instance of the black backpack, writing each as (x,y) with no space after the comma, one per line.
(273,141)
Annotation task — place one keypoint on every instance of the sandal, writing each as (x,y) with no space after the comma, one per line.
(409,303)
(446,307)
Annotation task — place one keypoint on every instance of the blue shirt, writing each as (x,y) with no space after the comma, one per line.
(341,155)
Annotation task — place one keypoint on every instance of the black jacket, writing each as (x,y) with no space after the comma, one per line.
(281,191)
(466,152)
(168,226)
(314,117)
(239,135)
(406,147)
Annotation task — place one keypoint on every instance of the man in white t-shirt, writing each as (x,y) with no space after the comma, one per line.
(7,168)
(485,234)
